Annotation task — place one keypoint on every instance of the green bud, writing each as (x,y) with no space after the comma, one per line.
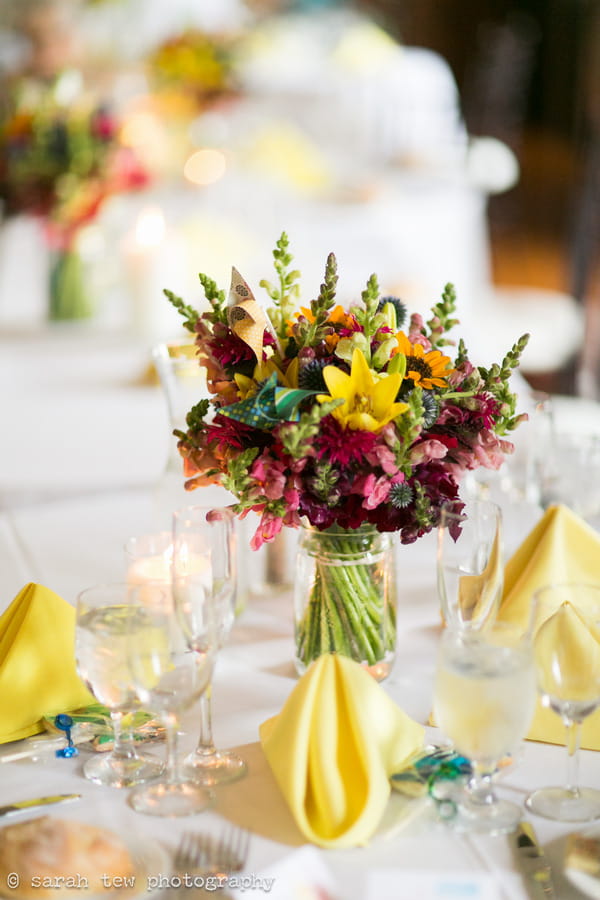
(389,312)
(346,347)
(397,365)
(383,353)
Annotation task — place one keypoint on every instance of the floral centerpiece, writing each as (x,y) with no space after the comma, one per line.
(355,422)
(61,164)
(195,68)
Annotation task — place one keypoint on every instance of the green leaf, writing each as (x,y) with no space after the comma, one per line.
(216,298)
(442,320)
(189,314)
(297,437)
(195,417)
(285,293)
(308,334)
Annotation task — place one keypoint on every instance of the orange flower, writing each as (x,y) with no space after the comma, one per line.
(428,368)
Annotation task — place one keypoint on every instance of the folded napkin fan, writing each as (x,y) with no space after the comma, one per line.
(332,749)
(38,676)
(560,548)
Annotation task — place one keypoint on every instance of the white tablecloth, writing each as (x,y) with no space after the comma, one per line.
(93,430)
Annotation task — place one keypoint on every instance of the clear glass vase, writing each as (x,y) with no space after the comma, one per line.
(345,597)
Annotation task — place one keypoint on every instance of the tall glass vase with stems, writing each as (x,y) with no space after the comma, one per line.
(469,564)
(484,700)
(344,597)
(200,532)
(567,655)
(169,676)
(101,649)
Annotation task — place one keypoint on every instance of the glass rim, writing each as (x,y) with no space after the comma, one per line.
(475,502)
(193,510)
(127,588)
(567,585)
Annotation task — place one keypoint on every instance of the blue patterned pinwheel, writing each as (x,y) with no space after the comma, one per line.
(272,404)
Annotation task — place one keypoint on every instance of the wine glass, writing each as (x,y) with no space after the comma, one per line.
(469,563)
(559,474)
(101,650)
(169,676)
(567,655)
(484,700)
(201,533)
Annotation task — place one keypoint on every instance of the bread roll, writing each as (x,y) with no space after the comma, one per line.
(57,858)
(583,853)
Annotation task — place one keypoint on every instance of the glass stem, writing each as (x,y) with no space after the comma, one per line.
(573,742)
(481,788)
(173,773)
(124,747)
(206,746)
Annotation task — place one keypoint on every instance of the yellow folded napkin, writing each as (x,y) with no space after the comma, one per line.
(567,652)
(37,662)
(332,749)
(561,548)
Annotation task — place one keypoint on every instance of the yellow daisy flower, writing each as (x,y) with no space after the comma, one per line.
(428,368)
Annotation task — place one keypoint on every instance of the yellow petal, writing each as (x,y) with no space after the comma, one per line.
(290,379)
(361,377)
(338,382)
(245,385)
(359,421)
(384,394)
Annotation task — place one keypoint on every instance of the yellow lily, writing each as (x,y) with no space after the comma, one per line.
(247,387)
(369,400)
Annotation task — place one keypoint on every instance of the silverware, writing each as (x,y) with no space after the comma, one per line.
(38,803)
(210,855)
(533,863)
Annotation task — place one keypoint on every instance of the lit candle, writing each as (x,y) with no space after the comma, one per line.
(157,567)
(150,569)
(154,259)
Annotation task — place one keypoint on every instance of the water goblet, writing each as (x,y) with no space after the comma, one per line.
(469,563)
(484,700)
(101,650)
(567,656)
(559,470)
(169,676)
(200,532)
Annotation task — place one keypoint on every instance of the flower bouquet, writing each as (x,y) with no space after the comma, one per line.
(61,164)
(354,423)
(193,68)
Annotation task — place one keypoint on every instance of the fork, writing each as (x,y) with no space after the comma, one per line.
(211,855)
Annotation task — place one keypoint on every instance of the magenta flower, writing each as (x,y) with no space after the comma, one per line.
(343,446)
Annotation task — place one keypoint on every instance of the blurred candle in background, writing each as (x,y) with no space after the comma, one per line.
(149,559)
(154,257)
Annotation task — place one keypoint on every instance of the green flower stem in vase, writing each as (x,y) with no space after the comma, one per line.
(69,297)
(345,597)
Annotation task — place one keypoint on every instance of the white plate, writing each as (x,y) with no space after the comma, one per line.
(589,885)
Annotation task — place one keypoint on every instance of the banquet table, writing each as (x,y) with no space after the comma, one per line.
(84,440)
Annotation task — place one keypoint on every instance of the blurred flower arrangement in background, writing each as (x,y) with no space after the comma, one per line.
(61,163)
(192,71)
